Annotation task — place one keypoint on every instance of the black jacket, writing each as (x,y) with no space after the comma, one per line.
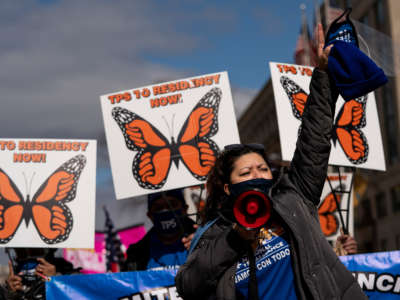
(318,273)
(138,254)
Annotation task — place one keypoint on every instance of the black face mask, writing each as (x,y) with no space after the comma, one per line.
(168,222)
(248,204)
(260,184)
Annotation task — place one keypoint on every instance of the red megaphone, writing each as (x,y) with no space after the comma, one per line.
(252,209)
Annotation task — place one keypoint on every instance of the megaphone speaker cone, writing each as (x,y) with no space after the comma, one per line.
(252,209)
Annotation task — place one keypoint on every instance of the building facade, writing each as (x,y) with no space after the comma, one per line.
(377,209)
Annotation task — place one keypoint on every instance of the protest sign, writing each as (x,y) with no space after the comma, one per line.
(328,209)
(356,139)
(166,136)
(47,193)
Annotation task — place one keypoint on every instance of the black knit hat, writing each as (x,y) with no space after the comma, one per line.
(178,194)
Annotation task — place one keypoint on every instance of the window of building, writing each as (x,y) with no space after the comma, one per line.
(381,205)
(383,244)
(334,3)
(395,195)
(389,106)
(365,216)
(364,19)
(398,242)
(368,247)
(379,13)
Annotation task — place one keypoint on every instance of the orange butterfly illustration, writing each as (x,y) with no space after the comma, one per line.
(348,123)
(326,211)
(47,209)
(193,147)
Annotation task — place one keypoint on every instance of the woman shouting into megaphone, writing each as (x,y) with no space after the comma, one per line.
(263,239)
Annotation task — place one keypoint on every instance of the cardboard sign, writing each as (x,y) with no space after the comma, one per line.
(47,193)
(356,140)
(166,136)
(328,209)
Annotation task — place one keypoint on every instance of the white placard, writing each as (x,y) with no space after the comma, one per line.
(328,211)
(166,136)
(355,120)
(47,193)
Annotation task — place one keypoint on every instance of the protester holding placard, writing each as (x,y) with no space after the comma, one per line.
(345,245)
(162,247)
(285,255)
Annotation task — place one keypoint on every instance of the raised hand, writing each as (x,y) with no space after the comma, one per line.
(14,282)
(323,54)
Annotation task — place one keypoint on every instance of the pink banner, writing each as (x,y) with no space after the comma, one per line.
(94,260)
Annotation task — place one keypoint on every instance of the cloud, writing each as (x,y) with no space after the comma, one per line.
(58,58)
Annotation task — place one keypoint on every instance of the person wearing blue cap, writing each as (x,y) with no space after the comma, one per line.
(162,247)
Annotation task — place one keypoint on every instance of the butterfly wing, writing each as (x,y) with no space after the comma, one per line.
(328,221)
(197,151)
(50,215)
(297,96)
(11,208)
(152,162)
(347,130)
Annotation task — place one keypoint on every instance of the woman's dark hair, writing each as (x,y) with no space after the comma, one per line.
(220,175)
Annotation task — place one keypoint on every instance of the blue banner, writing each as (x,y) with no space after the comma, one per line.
(139,285)
(378,274)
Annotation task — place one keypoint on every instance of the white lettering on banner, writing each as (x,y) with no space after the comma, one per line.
(161,293)
(174,294)
(385,282)
(382,286)
(367,280)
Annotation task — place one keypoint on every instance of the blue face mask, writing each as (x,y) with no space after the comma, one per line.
(344,31)
(260,184)
(167,222)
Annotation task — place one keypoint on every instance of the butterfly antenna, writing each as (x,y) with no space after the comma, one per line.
(166,123)
(172,124)
(26,183)
(30,183)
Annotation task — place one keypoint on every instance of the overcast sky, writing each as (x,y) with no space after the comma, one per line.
(58,57)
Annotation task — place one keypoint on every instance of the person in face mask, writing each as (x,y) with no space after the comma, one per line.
(162,247)
(261,237)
